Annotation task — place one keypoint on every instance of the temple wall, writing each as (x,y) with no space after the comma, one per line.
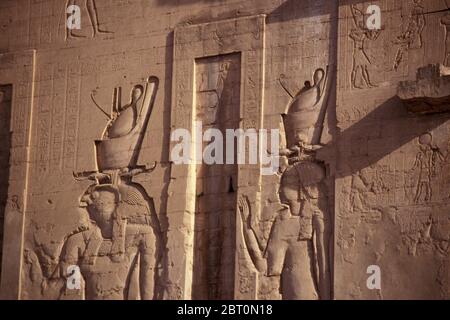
(385,191)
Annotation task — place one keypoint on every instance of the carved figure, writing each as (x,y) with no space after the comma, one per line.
(297,249)
(91,8)
(209,96)
(118,252)
(359,187)
(426,164)
(361,60)
(411,38)
(117,248)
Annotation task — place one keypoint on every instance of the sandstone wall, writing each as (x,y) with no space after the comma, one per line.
(386,185)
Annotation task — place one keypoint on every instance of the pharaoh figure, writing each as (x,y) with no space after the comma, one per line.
(297,249)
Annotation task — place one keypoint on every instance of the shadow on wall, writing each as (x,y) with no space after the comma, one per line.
(379,133)
(298,9)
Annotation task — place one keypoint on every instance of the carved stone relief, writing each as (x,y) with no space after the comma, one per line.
(429,93)
(91,8)
(364,177)
(411,36)
(360,34)
(117,244)
(298,247)
(391,181)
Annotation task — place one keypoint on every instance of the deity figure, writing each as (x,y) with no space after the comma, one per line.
(116,246)
(297,249)
(118,251)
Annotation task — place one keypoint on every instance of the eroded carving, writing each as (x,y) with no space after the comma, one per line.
(429,93)
(411,37)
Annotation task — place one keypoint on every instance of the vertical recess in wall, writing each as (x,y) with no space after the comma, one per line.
(5,146)
(217,89)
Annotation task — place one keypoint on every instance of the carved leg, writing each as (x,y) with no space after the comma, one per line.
(446,51)
(147,268)
(69,32)
(418,192)
(354,76)
(447,56)
(322,239)
(398,59)
(93,16)
(366,77)
(427,191)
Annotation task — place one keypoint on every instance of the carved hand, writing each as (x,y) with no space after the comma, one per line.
(244,210)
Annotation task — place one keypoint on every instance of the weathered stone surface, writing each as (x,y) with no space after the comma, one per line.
(430,92)
(93,205)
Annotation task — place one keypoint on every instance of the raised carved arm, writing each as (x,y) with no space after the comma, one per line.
(251,240)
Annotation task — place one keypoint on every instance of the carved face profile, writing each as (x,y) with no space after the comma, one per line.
(289,196)
(289,191)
